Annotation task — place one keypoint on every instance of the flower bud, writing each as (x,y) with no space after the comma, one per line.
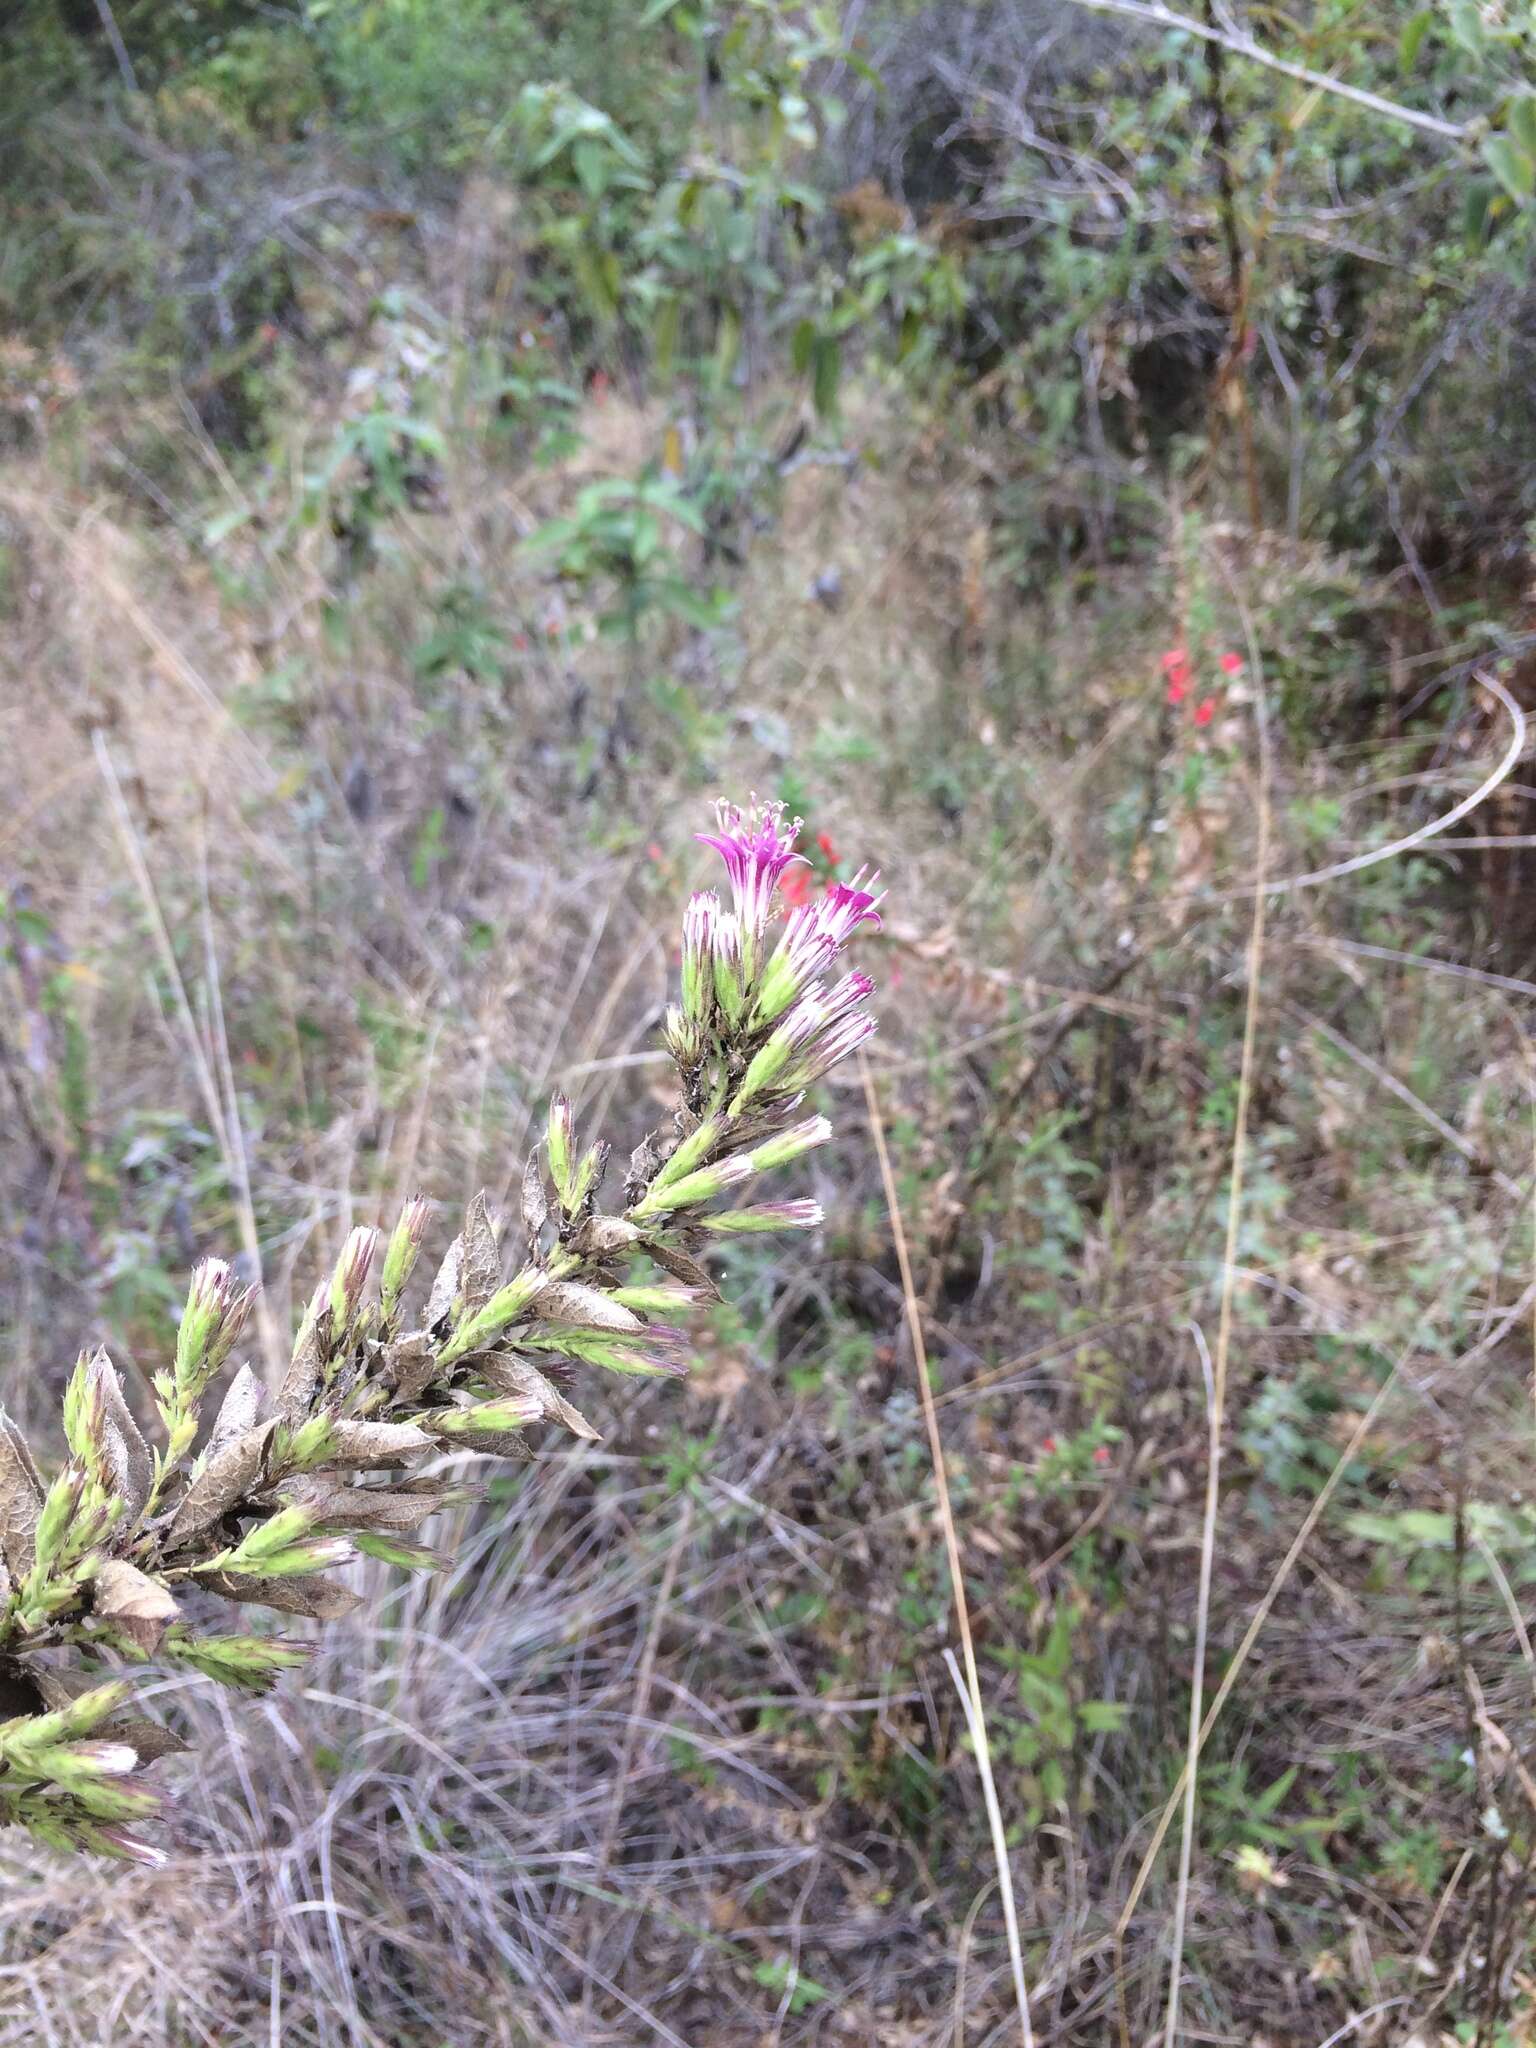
(404,1247)
(511,1412)
(657,1299)
(118,1842)
(698,970)
(765,1216)
(215,1314)
(730,969)
(695,1147)
(478,1330)
(561,1142)
(350,1278)
(685,1041)
(784,1146)
(700,1186)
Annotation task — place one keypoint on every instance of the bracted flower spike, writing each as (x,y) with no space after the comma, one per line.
(263,1498)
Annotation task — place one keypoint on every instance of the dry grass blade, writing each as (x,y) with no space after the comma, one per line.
(1435,829)
(971,1692)
(1215,1370)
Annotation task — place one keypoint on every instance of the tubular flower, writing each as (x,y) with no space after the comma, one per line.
(823,1027)
(700,920)
(847,905)
(757,846)
(812,940)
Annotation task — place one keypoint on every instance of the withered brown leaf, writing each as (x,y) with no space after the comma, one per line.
(683,1266)
(220,1482)
(568,1301)
(480,1274)
(411,1364)
(137,1606)
(303,1374)
(376,1443)
(508,1375)
(368,1507)
(124,1452)
(445,1287)
(21,1497)
(239,1411)
(535,1197)
(319,1598)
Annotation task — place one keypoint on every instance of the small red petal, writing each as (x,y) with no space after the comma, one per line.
(1048,1445)
(1101,1455)
(1177,692)
(795,886)
(1175,658)
(1232,664)
(654,852)
(824,841)
(1205,711)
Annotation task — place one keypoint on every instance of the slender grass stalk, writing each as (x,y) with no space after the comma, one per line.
(970,1691)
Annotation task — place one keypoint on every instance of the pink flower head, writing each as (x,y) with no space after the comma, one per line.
(848,905)
(1177,692)
(756,846)
(827,1025)
(1205,711)
(1231,664)
(1176,665)
(843,1037)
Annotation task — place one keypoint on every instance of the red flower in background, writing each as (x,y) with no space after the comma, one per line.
(1177,692)
(1205,711)
(795,887)
(824,841)
(1101,1455)
(1232,664)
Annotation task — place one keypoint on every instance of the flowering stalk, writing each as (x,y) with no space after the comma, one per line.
(346,1455)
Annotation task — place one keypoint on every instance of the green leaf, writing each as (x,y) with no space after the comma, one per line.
(802,343)
(1408,43)
(826,369)
(1466,25)
(395,1550)
(590,161)
(669,320)
(727,343)
(1103,1717)
(1514,167)
(1477,210)
(1272,1795)
(779,1976)
(1521,122)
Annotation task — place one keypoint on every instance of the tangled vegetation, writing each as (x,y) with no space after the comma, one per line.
(1081,454)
